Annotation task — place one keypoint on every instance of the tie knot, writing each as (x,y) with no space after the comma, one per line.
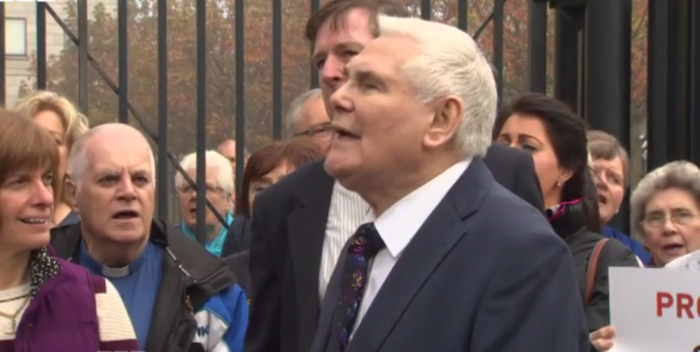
(366,241)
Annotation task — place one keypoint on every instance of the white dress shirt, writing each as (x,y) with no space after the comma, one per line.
(347,212)
(397,226)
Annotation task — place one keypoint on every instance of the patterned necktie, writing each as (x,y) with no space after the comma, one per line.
(364,245)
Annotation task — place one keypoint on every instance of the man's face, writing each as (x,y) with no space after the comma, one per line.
(115,196)
(228,150)
(313,121)
(214,193)
(379,122)
(334,47)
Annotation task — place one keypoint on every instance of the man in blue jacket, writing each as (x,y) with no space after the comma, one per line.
(179,296)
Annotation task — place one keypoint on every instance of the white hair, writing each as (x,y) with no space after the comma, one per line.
(450,63)
(212,159)
(293,113)
(682,175)
(78,162)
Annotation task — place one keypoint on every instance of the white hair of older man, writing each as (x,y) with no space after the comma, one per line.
(292,115)
(78,161)
(450,63)
(214,160)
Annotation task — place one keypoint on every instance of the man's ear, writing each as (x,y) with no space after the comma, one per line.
(446,122)
(71,190)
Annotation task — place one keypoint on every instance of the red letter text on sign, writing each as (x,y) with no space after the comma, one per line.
(663,300)
(684,303)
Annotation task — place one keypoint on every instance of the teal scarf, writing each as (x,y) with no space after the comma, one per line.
(214,247)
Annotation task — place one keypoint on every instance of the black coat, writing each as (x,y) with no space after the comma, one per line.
(571,226)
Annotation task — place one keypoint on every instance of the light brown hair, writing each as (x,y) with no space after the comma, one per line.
(602,145)
(336,10)
(24,146)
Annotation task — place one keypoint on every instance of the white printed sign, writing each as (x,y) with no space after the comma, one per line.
(655,310)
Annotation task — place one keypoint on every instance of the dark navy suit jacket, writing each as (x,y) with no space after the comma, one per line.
(485,273)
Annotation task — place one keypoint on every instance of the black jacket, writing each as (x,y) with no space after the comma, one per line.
(571,226)
(238,237)
(238,263)
(189,271)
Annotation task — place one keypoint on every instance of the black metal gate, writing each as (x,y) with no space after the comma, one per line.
(191,73)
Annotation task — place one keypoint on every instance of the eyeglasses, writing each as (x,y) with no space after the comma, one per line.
(316,131)
(186,189)
(657,221)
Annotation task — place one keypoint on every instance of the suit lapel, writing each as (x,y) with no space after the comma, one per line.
(306,225)
(443,229)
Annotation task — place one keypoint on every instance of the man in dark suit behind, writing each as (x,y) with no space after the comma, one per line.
(302,223)
(447,272)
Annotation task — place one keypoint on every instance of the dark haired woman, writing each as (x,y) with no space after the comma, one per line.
(556,137)
(264,168)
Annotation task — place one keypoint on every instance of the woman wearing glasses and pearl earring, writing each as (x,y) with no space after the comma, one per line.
(46,304)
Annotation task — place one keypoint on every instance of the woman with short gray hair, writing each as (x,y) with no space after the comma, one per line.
(666,211)
(666,215)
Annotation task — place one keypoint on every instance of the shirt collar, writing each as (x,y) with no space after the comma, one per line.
(398,224)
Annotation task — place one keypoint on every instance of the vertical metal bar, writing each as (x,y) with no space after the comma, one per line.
(677,114)
(163,172)
(276,69)
(695,81)
(315,6)
(566,59)
(122,21)
(498,9)
(426,9)
(240,91)
(657,69)
(462,11)
(3,88)
(621,221)
(201,33)
(537,47)
(604,102)
(83,79)
(41,56)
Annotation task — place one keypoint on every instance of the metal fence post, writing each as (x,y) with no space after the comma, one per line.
(163,173)
(122,21)
(41,57)
(83,79)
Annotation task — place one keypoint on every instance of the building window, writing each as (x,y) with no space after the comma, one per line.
(15,36)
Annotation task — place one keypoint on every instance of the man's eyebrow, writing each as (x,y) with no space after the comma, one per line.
(141,173)
(106,172)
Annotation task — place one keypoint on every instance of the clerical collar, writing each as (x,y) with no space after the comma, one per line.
(86,260)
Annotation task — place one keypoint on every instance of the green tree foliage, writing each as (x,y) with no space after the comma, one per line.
(221,73)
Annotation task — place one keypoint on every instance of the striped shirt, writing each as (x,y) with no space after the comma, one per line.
(114,324)
(347,212)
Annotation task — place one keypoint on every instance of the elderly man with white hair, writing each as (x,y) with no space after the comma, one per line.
(220,192)
(309,216)
(458,263)
(179,296)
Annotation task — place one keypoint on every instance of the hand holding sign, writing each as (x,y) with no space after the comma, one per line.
(655,310)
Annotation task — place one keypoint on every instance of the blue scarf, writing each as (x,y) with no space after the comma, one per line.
(214,247)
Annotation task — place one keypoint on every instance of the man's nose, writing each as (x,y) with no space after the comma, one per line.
(332,71)
(339,100)
(127,189)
